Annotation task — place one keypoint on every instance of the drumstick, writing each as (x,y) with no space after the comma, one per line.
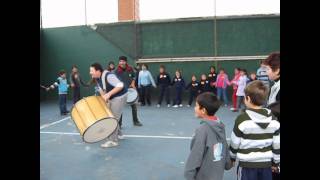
(43,86)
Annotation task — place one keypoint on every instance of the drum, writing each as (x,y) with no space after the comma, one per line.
(132,96)
(93,119)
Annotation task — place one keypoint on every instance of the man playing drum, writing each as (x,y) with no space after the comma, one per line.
(114,92)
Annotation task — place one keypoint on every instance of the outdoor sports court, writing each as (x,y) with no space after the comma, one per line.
(155,151)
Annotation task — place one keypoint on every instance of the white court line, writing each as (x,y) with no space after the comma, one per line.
(56,122)
(130,136)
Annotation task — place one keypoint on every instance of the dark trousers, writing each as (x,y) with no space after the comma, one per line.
(139,94)
(239,101)
(275,176)
(213,89)
(134,114)
(63,103)
(76,94)
(193,94)
(254,173)
(145,94)
(177,100)
(164,90)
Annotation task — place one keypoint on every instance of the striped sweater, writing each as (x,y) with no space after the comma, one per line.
(255,139)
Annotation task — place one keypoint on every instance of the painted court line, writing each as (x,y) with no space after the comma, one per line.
(53,123)
(129,136)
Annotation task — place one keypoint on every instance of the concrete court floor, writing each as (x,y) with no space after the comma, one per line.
(148,156)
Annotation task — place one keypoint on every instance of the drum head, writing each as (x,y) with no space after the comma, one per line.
(100,130)
(132,96)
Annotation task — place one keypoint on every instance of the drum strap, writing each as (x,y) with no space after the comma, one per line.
(103,79)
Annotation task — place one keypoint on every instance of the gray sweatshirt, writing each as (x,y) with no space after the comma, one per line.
(209,155)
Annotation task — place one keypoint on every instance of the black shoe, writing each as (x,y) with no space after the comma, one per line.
(137,123)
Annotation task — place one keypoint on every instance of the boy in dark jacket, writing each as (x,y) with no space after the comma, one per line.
(163,82)
(209,155)
(178,83)
(194,89)
(204,84)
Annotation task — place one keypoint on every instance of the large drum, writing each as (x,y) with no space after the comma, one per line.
(132,96)
(93,119)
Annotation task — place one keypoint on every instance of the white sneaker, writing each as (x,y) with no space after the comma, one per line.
(188,105)
(158,105)
(180,105)
(109,144)
(168,105)
(175,106)
(231,109)
(120,137)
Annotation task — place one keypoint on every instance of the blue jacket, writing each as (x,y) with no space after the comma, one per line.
(62,85)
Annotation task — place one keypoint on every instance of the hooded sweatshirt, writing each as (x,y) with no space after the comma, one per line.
(255,139)
(209,155)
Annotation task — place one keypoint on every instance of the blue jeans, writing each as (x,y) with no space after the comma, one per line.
(222,91)
(63,103)
(254,173)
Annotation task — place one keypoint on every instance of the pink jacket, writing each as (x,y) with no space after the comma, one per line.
(222,81)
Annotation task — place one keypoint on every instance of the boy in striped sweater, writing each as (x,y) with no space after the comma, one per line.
(255,139)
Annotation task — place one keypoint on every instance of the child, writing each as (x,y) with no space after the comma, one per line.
(144,82)
(194,88)
(164,81)
(212,77)
(255,139)
(62,85)
(209,155)
(76,80)
(221,84)
(252,77)
(179,85)
(242,82)
(235,87)
(111,67)
(204,85)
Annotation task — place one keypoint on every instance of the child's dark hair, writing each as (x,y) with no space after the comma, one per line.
(162,66)
(123,58)
(213,68)
(110,62)
(237,68)
(97,67)
(145,66)
(74,66)
(209,102)
(257,92)
(273,60)
(61,72)
(222,69)
(244,70)
(193,76)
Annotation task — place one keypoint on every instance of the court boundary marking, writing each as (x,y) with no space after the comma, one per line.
(128,136)
(55,122)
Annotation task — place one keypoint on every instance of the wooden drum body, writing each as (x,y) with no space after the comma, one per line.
(93,119)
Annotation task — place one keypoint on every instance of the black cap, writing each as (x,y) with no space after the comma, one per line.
(123,58)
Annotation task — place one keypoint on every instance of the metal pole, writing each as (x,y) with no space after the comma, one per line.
(215,33)
(85,11)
